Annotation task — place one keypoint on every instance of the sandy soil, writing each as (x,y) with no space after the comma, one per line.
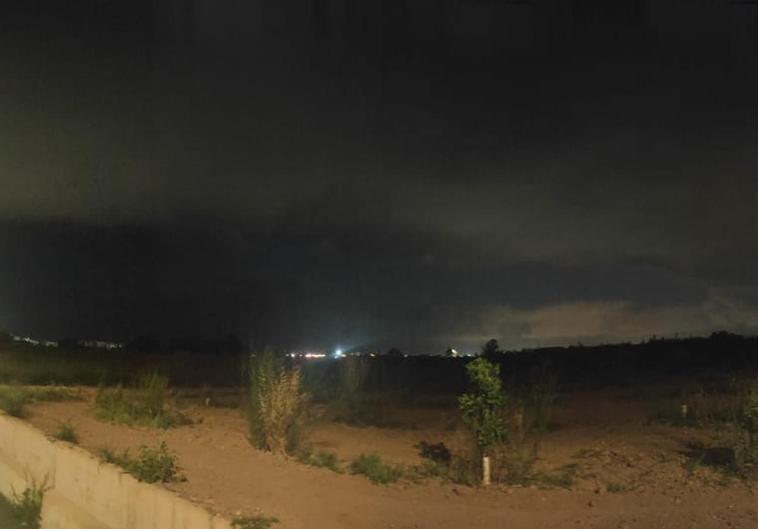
(605,435)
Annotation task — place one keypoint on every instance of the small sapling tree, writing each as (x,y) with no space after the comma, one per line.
(482,409)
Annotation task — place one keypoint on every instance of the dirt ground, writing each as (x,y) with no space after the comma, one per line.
(605,435)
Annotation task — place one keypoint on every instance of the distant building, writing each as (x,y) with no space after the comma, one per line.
(32,341)
(99,344)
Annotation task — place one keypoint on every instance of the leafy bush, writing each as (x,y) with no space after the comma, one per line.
(372,466)
(152,465)
(275,406)
(483,408)
(254,522)
(142,405)
(66,433)
(27,506)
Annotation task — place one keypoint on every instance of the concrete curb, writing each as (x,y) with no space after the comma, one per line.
(85,493)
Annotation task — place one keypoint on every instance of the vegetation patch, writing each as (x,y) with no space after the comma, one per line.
(588,453)
(372,466)
(27,506)
(254,522)
(144,404)
(275,406)
(735,453)
(321,459)
(438,452)
(66,432)
(482,408)
(563,477)
(14,398)
(152,465)
(615,488)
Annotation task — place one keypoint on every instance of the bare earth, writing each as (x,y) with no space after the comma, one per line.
(603,433)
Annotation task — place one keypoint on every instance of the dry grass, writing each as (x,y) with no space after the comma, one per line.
(276,406)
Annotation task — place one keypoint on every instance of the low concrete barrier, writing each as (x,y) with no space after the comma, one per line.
(84,493)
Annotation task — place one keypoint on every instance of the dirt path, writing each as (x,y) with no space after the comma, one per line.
(225,474)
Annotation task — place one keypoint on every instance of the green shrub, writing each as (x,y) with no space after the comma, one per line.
(66,432)
(254,522)
(483,408)
(275,406)
(152,465)
(13,399)
(372,466)
(27,506)
(152,387)
(144,404)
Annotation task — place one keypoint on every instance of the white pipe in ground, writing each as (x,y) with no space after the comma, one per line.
(486,471)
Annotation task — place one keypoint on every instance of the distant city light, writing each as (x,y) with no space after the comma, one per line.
(307,355)
(338,353)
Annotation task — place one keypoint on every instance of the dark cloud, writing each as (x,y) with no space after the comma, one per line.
(403,172)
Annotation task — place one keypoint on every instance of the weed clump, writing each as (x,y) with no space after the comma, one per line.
(143,405)
(27,506)
(254,522)
(275,405)
(745,442)
(14,398)
(616,488)
(736,452)
(321,459)
(372,466)
(66,433)
(152,465)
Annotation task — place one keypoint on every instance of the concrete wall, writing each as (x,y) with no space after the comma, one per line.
(84,493)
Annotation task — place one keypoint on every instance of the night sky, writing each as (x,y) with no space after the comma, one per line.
(410,173)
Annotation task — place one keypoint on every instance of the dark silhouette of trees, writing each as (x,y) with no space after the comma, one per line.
(491,350)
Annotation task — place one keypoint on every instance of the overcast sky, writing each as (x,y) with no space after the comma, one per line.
(414,173)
